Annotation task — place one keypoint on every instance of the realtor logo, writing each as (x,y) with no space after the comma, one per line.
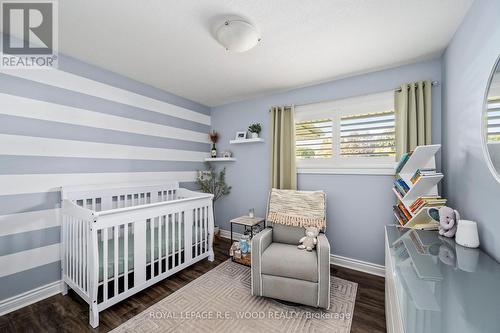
(29,38)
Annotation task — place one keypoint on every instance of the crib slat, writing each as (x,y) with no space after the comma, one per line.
(85,256)
(73,249)
(196,219)
(160,265)
(167,241)
(205,227)
(115,271)
(180,239)
(152,244)
(105,262)
(78,252)
(66,242)
(125,257)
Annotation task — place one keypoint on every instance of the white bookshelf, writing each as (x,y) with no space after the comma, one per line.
(220,159)
(239,141)
(423,157)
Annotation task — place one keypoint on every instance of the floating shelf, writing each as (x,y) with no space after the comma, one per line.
(220,159)
(238,141)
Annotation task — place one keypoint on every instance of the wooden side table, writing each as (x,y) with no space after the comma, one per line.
(247,222)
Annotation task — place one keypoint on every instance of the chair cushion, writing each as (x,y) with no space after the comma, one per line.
(287,234)
(287,260)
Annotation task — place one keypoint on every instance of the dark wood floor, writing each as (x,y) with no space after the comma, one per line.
(70,314)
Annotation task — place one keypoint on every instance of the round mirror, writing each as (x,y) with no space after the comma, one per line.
(491,122)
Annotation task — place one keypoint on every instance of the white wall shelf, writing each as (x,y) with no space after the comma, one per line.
(220,159)
(238,141)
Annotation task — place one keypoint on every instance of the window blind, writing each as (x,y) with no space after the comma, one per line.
(314,139)
(369,134)
(493,119)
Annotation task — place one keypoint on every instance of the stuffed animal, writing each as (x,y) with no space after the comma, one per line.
(448,221)
(310,240)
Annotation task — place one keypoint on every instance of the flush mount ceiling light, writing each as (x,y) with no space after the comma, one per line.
(237,35)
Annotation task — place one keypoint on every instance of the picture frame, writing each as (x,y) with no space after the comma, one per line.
(241,135)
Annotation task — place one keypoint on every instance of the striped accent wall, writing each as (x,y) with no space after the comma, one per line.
(80,125)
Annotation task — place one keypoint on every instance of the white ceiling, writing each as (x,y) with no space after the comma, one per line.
(169,44)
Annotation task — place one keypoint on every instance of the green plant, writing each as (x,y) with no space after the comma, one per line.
(211,181)
(255,128)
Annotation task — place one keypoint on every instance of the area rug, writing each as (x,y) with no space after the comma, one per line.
(220,301)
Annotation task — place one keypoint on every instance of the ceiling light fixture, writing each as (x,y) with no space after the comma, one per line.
(237,35)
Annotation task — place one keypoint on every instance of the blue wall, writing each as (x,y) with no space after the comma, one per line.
(467,64)
(29,225)
(358,205)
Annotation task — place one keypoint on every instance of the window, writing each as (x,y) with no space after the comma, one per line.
(356,133)
(314,138)
(370,134)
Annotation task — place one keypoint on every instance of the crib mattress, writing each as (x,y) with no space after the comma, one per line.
(111,250)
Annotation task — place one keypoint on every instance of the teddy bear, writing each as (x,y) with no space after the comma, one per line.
(448,220)
(310,240)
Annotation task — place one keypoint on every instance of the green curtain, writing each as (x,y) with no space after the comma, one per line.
(413,109)
(282,157)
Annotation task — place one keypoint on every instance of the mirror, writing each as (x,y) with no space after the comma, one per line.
(491,121)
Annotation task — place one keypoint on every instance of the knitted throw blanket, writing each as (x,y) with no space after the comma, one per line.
(297,208)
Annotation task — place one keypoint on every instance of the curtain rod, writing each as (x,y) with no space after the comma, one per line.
(434,84)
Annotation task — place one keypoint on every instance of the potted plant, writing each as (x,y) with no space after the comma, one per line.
(254,130)
(210,181)
(214,137)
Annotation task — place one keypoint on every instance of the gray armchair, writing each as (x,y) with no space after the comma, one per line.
(280,270)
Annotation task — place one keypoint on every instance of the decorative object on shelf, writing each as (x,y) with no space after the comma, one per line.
(309,241)
(226,154)
(241,135)
(214,137)
(448,219)
(210,181)
(255,130)
(467,234)
(251,212)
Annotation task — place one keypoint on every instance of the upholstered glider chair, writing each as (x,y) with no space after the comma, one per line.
(279,269)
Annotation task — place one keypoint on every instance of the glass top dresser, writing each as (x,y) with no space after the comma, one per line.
(436,286)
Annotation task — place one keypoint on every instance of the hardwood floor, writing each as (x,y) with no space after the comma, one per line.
(70,314)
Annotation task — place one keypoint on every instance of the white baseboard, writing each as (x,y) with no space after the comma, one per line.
(354,264)
(227,234)
(29,297)
(357,265)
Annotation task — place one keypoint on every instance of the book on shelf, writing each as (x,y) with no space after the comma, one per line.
(426,226)
(427,202)
(423,173)
(402,161)
(401,213)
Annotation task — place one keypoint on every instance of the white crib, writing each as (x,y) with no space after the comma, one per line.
(117,240)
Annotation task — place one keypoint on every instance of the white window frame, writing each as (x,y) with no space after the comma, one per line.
(335,110)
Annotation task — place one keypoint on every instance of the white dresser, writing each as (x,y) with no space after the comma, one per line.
(433,285)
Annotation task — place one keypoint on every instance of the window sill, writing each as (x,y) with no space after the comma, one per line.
(347,171)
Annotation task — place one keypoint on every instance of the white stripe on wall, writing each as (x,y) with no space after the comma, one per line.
(32,108)
(29,221)
(36,146)
(24,260)
(87,86)
(32,183)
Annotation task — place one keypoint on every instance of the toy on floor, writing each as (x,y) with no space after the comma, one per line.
(310,240)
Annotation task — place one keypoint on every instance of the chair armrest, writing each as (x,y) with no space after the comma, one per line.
(260,242)
(323,252)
